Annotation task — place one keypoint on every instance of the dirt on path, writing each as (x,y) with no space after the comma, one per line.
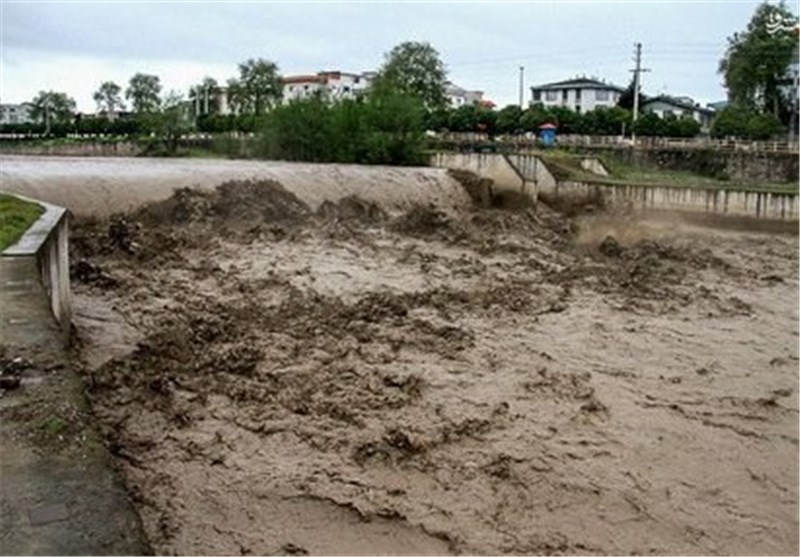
(276,377)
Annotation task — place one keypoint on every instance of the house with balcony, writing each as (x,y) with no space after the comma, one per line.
(15,113)
(580,94)
(680,107)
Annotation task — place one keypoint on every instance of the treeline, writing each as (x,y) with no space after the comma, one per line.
(512,120)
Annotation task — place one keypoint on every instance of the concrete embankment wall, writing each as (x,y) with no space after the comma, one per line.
(740,203)
(46,246)
(496,167)
(105,185)
(79,149)
(749,166)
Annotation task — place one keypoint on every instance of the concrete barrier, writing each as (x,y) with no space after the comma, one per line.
(46,243)
(724,202)
(506,175)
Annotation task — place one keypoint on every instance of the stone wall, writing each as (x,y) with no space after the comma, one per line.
(734,165)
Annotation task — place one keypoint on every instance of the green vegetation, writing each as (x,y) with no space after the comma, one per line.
(16,216)
(565,165)
(754,66)
(414,69)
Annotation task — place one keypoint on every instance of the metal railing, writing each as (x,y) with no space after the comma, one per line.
(615,141)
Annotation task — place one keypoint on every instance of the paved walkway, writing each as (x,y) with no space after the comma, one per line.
(59,492)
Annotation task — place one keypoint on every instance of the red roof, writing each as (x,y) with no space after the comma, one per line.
(304,79)
(548,126)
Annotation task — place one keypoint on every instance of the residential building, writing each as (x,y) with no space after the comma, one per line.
(717,105)
(458,96)
(15,113)
(333,85)
(580,94)
(664,106)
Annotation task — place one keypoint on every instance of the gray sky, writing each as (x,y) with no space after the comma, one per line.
(74,46)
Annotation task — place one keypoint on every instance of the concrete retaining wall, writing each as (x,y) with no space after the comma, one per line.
(496,167)
(740,203)
(82,149)
(47,243)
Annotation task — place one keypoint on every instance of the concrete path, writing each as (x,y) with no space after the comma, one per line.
(59,492)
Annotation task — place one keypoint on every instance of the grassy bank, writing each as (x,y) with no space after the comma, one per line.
(567,166)
(16,216)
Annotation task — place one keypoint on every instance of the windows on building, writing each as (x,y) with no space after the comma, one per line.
(537,95)
(577,95)
(551,95)
(601,94)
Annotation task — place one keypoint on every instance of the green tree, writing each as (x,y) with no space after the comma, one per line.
(763,127)
(258,87)
(626,98)
(414,68)
(52,108)
(535,116)
(650,124)
(756,60)
(109,98)
(508,120)
(143,91)
(171,121)
(685,126)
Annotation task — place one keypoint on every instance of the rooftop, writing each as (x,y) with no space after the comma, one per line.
(580,82)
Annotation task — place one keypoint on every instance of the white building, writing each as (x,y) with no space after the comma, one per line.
(15,113)
(458,96)
(580,94)
(679,107)
(332,85)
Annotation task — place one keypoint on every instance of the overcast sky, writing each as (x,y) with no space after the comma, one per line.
(74,46)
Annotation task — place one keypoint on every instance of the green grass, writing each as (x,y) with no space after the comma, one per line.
(566,166)
(16,216)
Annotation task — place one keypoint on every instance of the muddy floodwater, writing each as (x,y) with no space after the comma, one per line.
(279,378)
(399,372)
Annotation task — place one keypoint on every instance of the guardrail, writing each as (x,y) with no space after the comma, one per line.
(615,141)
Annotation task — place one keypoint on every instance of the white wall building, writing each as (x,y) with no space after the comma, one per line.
(15,113)
(458,96)
(679,107)
(332,85)
(580,94)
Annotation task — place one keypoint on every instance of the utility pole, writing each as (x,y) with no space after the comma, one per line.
(521,86)
(636,83)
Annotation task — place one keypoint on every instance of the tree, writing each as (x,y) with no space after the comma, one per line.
(108,98)
(756,60)
(143,91)
(414,68)
(738,121)
(52,107)
(170,121)
(258,87)
(626,98)
(508,120)
(650,124)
